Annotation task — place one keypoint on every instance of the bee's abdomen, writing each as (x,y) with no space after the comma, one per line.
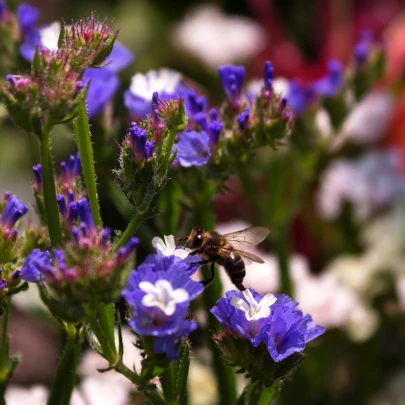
(236,269)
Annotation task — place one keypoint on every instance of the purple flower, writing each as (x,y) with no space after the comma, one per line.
(87,226)
(289,330)
(160,301)
(268,75)
(272,320)
(103,85)
(193,149)
(362,49)
(194,104)
(27,16)
(37,169)
(213,129)
(72,169)
(68,211)
(13,211)
(300,97)
(243,119)
(232,80)
(168,83)
(138,140)
(330,84)
(34,265)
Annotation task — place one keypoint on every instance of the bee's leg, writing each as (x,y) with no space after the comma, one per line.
(202,262)
(195,252)
(208,281)
(181,239)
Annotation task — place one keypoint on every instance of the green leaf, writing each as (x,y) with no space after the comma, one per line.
(62,34)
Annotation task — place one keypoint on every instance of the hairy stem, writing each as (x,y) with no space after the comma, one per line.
(83,139)
(130,231)
(51,206)
(4,346)
(66,374)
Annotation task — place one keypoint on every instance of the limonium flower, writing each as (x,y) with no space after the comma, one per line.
(232,78)
(103,81)
(84,274)
(138,140)
(168,83)
(193,149)
(272,320)
(160,292)
(213,128)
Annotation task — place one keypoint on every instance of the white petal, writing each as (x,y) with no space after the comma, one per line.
(170,243)
(158,243)
(170,308)
(249,296)
(268,300)
(147,287)
(180,295)
(149,300)
(264,312)
(240,304)
(164,287)
(182,253)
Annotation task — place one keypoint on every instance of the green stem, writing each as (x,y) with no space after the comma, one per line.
(83,139)
(168,381)
(225,375)
(130,231)
(66,374)
(51,206)
(106,319)
(4,360)
(109,352)
(281,242)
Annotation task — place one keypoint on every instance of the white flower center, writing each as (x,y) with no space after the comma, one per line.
(254,310)
(162,296)
(168,247)
(163,80)
(49,35)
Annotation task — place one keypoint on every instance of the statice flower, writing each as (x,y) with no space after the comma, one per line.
(271,321)
(83,275)
(232,78)
(160,300)
(168,83)
(212,128)
(103,81)
(27,17)
(193,149)
(13,210)
(301,97)
(369,183)
(138,139)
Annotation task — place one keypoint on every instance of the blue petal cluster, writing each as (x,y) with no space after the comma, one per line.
(232,78)
(193,148)
(284,331)
(160,294)
(213,128)
(13,211)
(301,97)
(103,81)
(138,140)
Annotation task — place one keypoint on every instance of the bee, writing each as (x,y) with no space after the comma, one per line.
(226,250)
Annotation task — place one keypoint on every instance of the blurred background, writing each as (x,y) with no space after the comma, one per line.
(347,237)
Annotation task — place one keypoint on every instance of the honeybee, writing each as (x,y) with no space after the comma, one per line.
(225,250)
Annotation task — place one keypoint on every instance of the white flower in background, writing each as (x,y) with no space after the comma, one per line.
(368,121)
(254,86)
(168,247)
(36,395)
(254,310)
(49,35)
(201,382)
(323,123)
(369,183)
(163,296)
(163,81)
(218,39)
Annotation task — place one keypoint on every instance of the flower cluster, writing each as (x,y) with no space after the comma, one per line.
(89,43)
(83,275)
(69,189)
(272,321)
(159,293)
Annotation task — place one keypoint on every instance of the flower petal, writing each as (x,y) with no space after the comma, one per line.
(240,304)
(268,300)
(148,287)
(180,295)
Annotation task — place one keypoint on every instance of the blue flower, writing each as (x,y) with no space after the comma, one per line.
(103,84)
(289,330)
(160,301)
(232,81)
(268,75)
(69,212)
(87,226)
(272,320)
(37,169)
(245,313)
(194,104)
(300,97)
(168,83)
(213,129)
(138,140)
(362,49)
(27,16)
(72,169)
(103,81)
(243,119)
(193,149)
(13,211)
(34,265)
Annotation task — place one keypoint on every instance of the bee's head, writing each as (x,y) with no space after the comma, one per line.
(195,239)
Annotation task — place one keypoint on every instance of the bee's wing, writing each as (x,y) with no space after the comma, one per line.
(247,238)
(249,258)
